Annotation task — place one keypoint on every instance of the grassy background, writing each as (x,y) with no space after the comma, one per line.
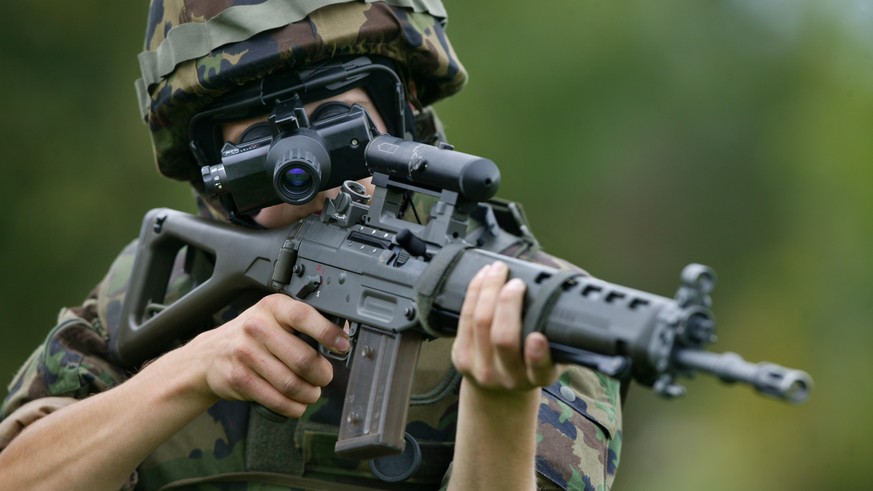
(640,136)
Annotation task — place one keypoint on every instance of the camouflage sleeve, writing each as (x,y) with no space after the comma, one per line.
(579,432)
(71,363)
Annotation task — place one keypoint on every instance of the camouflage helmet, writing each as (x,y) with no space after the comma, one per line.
(197,51)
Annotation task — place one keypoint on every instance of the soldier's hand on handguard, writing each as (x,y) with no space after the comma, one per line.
(488,350)
(495,444)
(258,356)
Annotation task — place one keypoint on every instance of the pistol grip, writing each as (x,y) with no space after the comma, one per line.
(377,398)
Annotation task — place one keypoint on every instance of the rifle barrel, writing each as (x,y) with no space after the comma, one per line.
(768,378)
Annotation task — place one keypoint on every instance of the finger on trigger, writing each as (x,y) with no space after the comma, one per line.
(325,332)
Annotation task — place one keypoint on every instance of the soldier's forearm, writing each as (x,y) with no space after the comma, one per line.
(495,445)
(98,442)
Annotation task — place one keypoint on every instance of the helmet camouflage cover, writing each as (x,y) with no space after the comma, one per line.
(199,50)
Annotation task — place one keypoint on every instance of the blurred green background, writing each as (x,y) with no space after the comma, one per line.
(639,135)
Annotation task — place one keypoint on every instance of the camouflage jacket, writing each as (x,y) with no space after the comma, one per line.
(231,447)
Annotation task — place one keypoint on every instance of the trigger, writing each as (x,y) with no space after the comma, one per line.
(353,328)
(333,356)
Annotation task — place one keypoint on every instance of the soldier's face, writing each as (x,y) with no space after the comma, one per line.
(284,214)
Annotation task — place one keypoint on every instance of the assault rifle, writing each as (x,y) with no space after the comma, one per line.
(398,283)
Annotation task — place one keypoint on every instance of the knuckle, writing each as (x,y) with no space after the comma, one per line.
(503,339)
(460,358)
(326,374)
(484,375)
(304,357)
(240,379)
(329,333)
(272,301)
(291,385)
(298,314)
(242,355)
(483,319)
(507,296)
(253,326)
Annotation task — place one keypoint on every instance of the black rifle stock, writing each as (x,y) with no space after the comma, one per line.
(399,283)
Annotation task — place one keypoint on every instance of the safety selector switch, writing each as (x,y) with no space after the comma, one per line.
(311,284)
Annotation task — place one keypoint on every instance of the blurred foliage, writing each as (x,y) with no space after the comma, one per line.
(640,136)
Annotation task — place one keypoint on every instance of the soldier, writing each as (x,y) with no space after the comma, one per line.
(486,417)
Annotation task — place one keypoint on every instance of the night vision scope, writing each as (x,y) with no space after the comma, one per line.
(295,161)
(342,143)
